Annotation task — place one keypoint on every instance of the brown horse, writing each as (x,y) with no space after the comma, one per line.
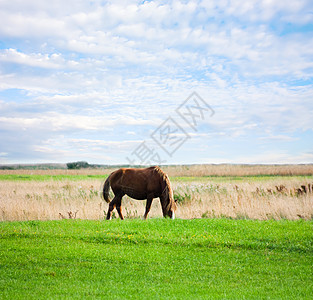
(140,184)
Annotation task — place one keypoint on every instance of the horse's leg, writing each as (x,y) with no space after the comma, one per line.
(163,207)
(118,207)
(111,207)
(148,206)
(115,203)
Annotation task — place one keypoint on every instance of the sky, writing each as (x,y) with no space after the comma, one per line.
(156,82)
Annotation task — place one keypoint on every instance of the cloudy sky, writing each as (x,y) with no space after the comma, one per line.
(113,82)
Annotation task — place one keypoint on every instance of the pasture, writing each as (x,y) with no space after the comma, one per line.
(240,234)
(156,259)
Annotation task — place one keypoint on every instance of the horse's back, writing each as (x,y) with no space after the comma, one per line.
(136,183)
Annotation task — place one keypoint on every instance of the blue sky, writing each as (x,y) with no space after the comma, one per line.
(95,81)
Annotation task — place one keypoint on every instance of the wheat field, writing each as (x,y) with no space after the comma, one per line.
(271,197)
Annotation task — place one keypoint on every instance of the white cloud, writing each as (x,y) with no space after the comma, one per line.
(54,61)
(125,66)
(20,25)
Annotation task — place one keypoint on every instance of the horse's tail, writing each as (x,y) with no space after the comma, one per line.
(106,190)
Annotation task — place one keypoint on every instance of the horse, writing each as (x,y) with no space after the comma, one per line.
(140,184)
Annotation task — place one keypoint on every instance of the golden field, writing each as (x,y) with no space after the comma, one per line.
(202,191)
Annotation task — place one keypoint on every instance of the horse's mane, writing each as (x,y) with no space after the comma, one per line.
(168,187)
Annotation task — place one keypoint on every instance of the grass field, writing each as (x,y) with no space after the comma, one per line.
(243,232)
(156,259)
(54,194)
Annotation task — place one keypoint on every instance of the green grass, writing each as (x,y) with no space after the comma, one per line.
(156,259)
(60,177)
(248,178)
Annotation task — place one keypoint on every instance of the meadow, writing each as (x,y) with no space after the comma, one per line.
(240,233)
(156,259)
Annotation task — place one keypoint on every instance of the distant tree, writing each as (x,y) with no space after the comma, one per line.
(77,165)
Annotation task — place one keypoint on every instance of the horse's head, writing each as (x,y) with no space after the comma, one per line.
(167,198)
(169,204)
(171,213)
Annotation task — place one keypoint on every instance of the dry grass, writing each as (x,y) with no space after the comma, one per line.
(270,199)
(256,198)
(48,200)
(273,199)
(238,170)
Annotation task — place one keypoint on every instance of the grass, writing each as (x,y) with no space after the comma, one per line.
(246,178)
(77,176)
(53,196)
(220,170)
(238,170)
(156,259)
(47,177)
